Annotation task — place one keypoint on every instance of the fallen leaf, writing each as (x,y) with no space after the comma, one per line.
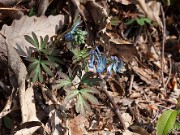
(151,9)
(77,125)
(125,51)
(114,38)
(41,26)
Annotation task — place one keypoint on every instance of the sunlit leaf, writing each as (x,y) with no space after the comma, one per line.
(140,21)
(44,42)
(71,95)
(147,20)
(90,90)
(30,40)
(90,97)
(35,40)
(130,21)
(82,105)
(166,122)
(63,83)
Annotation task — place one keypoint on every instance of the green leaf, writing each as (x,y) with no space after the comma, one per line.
(44,42)
(115,21)
(92,81)
(71,95)
(82,105)
(90,97)
(79,54)
(130,21)
(40,74)
(147,20)
(47,69)
(63,83)
(166,122)
(176,126)
(35,40)
(33,66)
(140,21)
(87,76)
(30,40)
(55,60)
(8,123)
(90,90)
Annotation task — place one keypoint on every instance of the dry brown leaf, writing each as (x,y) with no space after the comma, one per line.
(124,2)
(127,119)
(8,107)
(116,86)
(27,131)
(125,51)
(146,76)
(97,10)
(116,39)
(139,130)
(151,9)
(41,26)
(28,109)
(77,125)
(127,132)
(43,5)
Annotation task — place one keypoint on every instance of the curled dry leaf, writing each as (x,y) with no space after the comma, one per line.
(97,10)
(28,109)
(8,107)
(124,2)
(151,9)
(114,38)
(42,26)
(147,76)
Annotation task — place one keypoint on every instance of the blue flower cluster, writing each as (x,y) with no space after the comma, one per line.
(115,64)
(75,35)
(69,35)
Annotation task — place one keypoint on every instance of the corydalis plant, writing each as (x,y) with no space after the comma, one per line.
(41,60)
(80,90)
(101,60)
(115,64)
(76,35)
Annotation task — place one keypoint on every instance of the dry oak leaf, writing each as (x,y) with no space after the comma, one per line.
(41,26)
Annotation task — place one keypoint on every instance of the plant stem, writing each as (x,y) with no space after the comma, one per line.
(118,113)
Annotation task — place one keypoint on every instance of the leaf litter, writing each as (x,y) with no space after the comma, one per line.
(80,100)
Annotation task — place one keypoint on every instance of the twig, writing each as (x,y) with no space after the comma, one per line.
(170,70)
(131,83)
(13,9)
(163,42)
(118,113)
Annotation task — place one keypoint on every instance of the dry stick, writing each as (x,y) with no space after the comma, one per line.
(163,42)
(131,83)
(118,113)
(13,9)
(170,70)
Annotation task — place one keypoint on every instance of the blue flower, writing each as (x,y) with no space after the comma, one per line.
(115,65)
(69,36)
(91,64)
(120,66)
(102,60)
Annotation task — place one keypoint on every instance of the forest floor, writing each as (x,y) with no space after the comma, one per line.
(95,67)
